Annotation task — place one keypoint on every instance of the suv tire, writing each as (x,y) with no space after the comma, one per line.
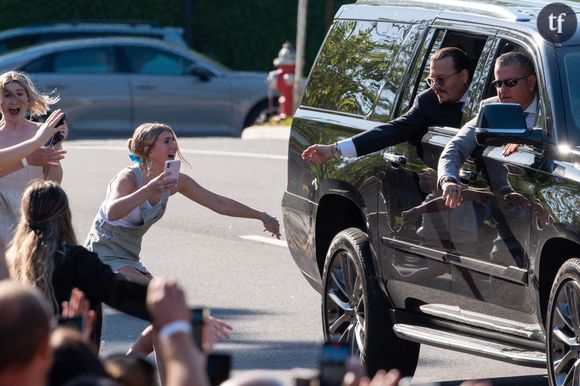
(563,343)
(354,308)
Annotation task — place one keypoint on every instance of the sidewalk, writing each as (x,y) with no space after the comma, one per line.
(266,132)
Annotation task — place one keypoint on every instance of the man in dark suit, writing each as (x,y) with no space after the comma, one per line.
(440,105)
(515,81)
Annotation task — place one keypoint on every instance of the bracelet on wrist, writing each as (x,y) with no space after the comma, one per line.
(24,162)
(174,327)
(336,150)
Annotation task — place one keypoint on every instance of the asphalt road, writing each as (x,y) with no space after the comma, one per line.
(229,265)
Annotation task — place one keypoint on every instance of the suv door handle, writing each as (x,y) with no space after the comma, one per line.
(467,176)
(395,159)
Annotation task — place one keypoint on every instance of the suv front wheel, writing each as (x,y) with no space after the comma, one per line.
(563,343)
(355,311)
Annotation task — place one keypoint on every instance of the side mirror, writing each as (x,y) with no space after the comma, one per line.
(201,72)
(502,123)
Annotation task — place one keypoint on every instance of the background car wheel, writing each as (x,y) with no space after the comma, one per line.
(261,113)
(563,343)
(354,310)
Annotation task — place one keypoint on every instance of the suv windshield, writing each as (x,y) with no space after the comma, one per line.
(571,86)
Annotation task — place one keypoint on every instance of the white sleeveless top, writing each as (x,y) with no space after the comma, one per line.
(12,187)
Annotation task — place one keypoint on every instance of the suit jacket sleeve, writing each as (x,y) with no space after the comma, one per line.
(457,151)
(98,281)
(399,130)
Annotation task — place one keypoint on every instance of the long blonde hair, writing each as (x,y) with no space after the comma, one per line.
(45,224)
(144,138)
(38,103)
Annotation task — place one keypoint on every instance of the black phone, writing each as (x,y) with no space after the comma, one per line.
(198,328)
(56,137)
(218,368)
(76,322)
(333,358)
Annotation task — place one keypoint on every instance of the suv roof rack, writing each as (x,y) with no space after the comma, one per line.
(525,10)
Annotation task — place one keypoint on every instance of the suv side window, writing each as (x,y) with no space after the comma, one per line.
(93,60)
(350,70)
(395,78)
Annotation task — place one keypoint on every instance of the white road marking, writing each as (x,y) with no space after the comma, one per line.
(187,151)
(266,240)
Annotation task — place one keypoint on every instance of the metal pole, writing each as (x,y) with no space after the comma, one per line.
(187,11)
(300,40)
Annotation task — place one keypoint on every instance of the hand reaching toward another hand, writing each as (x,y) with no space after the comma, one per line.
(318,154)
(271,225)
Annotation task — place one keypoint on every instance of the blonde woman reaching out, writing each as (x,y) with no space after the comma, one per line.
(136,199)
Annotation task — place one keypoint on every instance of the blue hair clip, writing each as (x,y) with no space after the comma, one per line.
(134,158)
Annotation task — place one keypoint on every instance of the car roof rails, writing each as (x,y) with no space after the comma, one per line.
(524,10)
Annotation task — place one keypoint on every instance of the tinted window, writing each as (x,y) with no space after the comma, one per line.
(18,42)
(84,61)
(147,60)
(571,86)
(351,67)
(395,77)
(43,64)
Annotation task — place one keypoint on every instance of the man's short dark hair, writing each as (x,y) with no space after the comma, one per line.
(24,325)
(460,59)
(516,58)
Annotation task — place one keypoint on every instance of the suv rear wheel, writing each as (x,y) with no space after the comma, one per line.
(563,343)
(354,309)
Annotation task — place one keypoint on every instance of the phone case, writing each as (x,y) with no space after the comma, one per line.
(172,167)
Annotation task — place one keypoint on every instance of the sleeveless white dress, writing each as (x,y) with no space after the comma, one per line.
(12,187)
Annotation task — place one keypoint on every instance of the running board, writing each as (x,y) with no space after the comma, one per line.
(522,356)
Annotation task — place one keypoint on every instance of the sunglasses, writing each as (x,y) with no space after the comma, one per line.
(440,80)
(509,83)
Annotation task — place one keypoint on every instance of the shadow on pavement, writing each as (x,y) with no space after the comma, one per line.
(531,380)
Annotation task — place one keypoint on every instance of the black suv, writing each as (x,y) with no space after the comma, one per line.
(487,278)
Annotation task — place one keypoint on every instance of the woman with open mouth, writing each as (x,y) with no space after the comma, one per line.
(19,100)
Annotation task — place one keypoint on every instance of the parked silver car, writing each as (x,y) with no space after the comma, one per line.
(40,33)
(111,85)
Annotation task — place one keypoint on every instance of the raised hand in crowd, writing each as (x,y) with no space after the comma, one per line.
(218,331)
(79,306)
(184,365)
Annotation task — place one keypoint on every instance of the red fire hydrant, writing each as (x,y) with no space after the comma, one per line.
(283,79)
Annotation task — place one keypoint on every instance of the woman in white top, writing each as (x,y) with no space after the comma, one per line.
(18,99)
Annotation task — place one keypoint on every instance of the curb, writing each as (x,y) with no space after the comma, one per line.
(266,132)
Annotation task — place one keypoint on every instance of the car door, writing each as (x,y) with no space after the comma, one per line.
(93,93)
(165,90)
(415,228)
(492,271)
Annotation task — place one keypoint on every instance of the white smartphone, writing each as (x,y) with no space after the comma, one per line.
(172,167)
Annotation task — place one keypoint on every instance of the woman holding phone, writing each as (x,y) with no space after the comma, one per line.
(136,199)
(18,99)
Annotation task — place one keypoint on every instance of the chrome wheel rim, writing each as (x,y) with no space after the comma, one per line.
(565,335)
(344,303)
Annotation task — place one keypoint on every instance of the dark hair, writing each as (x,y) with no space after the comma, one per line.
(131,370)
(24,325)
(460,59)
(517,58)
(73,358)
(91,380)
